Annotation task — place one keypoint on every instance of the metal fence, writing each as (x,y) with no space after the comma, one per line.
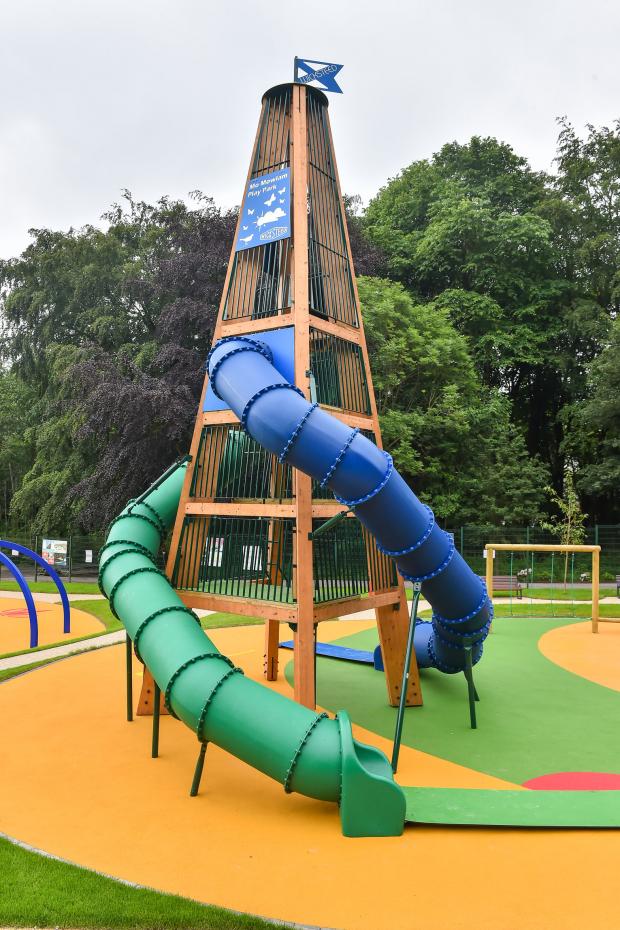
(471,540)
(80,564)
(82,560)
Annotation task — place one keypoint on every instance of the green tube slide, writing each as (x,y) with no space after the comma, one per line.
(307,752)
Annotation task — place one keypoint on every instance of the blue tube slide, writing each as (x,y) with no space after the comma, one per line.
(23,585)
(362,476)
(24,550)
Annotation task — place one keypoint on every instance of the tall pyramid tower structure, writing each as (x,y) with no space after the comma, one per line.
(245,538)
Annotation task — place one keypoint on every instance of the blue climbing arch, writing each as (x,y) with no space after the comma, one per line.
(23,584)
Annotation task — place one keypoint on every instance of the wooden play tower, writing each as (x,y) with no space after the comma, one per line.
(243,537)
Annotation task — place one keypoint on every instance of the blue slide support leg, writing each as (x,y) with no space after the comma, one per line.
(363,477)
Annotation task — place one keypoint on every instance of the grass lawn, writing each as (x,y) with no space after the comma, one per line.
(48,587)
(42,892)
(546,610)
(559,594)
(218,621)
(99,609)
(7,673)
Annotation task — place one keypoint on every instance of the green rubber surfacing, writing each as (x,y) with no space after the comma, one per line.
(534,718)
(479,807)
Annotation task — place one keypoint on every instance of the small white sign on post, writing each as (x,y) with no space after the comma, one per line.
(14,552)
(88,555)
(484,553)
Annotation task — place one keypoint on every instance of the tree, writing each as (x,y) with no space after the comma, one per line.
(449,435)
(596,439)
(516,258)
(110,330)
(568,521)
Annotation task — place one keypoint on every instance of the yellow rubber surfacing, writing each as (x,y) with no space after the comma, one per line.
(15,625)
(78,781)
(595,656)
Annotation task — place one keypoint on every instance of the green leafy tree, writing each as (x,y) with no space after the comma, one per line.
(449,434)
(110,329)
(568,523)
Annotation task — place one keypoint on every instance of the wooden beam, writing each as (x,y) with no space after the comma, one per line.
(334,609)
(240,509)
(241,327)
(334,328)
(283,613)
(526,547)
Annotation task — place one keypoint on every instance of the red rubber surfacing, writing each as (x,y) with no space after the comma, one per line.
(575,781)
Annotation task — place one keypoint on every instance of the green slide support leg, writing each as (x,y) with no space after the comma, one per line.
(308,753)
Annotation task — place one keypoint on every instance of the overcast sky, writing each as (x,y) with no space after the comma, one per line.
(162,96)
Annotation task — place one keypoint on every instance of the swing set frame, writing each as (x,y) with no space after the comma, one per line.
(595,552)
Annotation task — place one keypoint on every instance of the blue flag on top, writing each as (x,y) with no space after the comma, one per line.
(320,74)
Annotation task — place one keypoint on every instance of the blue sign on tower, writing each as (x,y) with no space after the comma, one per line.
(320,74)
(266,210)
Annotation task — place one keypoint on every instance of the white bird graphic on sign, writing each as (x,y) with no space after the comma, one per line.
(270,201)
(250,212)
(244,228)
(247,238)
(281,200)
(282,191)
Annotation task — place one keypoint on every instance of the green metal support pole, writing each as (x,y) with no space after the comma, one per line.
(200,764)
(155,742)
(417,588)
(471,688)
(129,668)
(333,521)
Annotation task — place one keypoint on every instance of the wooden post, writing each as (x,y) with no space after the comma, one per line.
(393,631)
(596,555)
(490,553)
(146,704)
(305,685)
(272,638)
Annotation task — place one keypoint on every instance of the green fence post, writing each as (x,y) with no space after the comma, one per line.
(70,557)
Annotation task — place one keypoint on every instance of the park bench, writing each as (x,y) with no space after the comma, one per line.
(507,583)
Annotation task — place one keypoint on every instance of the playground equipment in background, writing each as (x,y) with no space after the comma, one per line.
(559,575)
(23,585)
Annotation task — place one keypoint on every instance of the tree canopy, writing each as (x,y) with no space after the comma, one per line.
(490,294)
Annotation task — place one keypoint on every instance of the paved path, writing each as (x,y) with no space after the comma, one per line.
(52,598)
(66,649)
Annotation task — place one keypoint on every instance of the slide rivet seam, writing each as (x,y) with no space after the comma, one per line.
(203,714)
(179,608)
(396,553)
(373,493)
(265,390)
(330,471)
(185,665)
(295,434)
(291,769)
